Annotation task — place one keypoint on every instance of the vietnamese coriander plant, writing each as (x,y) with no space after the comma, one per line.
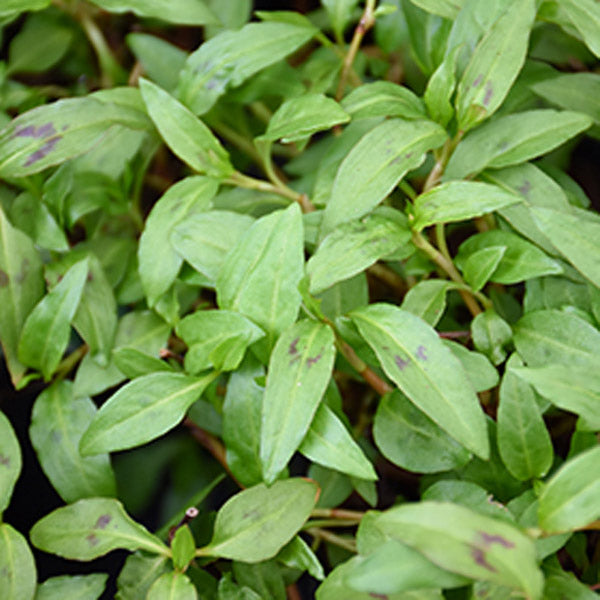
(322,277)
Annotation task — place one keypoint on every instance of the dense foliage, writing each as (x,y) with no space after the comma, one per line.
(328,272)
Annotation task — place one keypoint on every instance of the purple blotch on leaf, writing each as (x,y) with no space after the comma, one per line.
(489,91)
(43,151)
(91,539)
(311,361)
(495,539)
(525,188)
(293,349)
(102,522)
(420,353)
(42,131)
(401,363)
(477,80)
(479,557)
(4,460)
(22,274)
(4,278)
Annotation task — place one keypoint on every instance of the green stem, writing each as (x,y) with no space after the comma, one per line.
(111,71)
(331,523)
(68,363)
(239,141)
(332,538)
(408,189)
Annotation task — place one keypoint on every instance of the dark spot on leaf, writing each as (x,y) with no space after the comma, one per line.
(408,155)
(293,349)
(477,80)
(64,128)
(502,146)
(56,436)
(380,596)
(311,361)
(479,557)
(43,151)
(92,540)
(401,363)
(42,131)
(102,522)
(489,92)
(211,84)
(396,160)
(251,514)
(525,188)
(420,354)
(90,276)
(22,274)
(489,539)
(4,460)
(4,278)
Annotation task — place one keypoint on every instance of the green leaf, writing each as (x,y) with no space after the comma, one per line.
(73,587)
(17,6)
(298,555)
(427,299)
(172,586)
(458,201)
(231,57)
(162,61)
(494,65)
(204,239)
(585,16)
(352,247)
(255,524)
(375,165)
(51,134)
(184,12)
(383,99)
(340,13)
(571,388)
(491,333)
(141,411)
(329,443)
(264,578)
(45,334)
(574,236)
(10,461)
(440,89)
(186,135)
(138,574)
(17,567)
(21,286)
(480,371)
(90,528)
(57,423)
(259,277)
(479,266)
(555,337)
(570,498)
(465,542)
(299,370)
(513,139)
(216,338)
(228,590)
(566,585)
(159,263)
(298,118)
(412,355)
(410,439)
(519,261)
(523,440)
(183,547)
(444,8)
(133,363)
(394,568)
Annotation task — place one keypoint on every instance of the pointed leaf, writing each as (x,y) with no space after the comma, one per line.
(10,461)
(17,568)
(45,335)
(523,440)
(133,363)
(440,89)
(299,370)
(340,14)
(427,299)
(21,286)
(480,371)
(139,572)
(172,586)
(183,547)
(255,524)
(491,333)
(375,165)
(413,356)
(458,201)
(329,443)
(298,555)
(187,136)
(231,57)
(141,411)
(494,65)
(444,8)
(585,16)
(466,542)
(570,499)
(73,587)
(91,528)
(183,12)
(479,266)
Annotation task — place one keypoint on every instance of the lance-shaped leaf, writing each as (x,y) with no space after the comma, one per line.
(299,370)
(255,524)
(375,165)
(10,461)
(410,439)
(479,266)
(187,136)
(139,572)
(51,134)
(383,99)
(523,440)
(479,369)
(574,389)
(260,276)
(575,237)
(427,299)
(495,64)
(298,555)
(57,423)
(183,12)
(340,14)
(159,263)
(90,528)
(458,201)
(141,411)
(74,587)
(328,443)
(21,286)
(570,499)
(172,586)
(513,139)
(466,542)
(17,6)
(585,16)
(298,118)
(352,247)
(231,57)
(444,8)
(46,332)
(440,88)
(17,568)
(413,356)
